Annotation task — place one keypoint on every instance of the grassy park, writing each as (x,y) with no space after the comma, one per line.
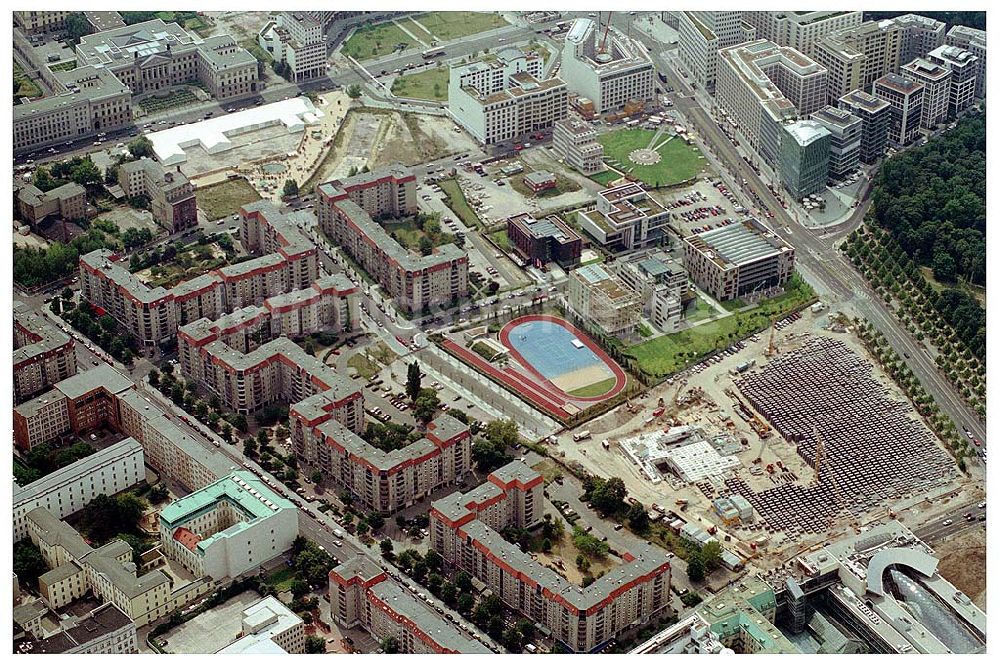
(376,40)
(430,84)
(446,26)
(678,161)
(222,199)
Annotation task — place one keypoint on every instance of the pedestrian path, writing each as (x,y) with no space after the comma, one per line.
(410,34)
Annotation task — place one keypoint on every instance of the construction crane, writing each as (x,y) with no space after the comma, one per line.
(602,49)
(771,349)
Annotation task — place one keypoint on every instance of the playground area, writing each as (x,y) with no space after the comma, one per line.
(546,361)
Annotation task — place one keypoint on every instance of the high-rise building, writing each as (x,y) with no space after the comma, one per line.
(762,85)
(936,80)
(855,57)
(43,355)
(805,157)
(973,41)
(540,241)
(575,142)
(605,66)
(800,30)
(906,99)
(874,114)
(845,139)
(964,68)
(298,40)
(921,35)
(700,36)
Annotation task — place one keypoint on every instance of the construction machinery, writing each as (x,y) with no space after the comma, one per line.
(771,349)
(758,424)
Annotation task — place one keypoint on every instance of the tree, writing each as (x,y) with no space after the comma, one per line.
(385,545)
(390,645)
(638,519)
(299,588)
(711,555)
(315,645)
(448,592)
(492,287)
(354,91)
(316,476)
(696,567)
(464,604)
(291,188)
(433,560)
(463,581)
(426,245)
(426,405)
(158,494)
(28,562)
(154,378)
(77,26)
(413,380)
(140,147)
(263,438)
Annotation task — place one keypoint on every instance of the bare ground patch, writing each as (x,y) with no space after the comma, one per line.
(963,563)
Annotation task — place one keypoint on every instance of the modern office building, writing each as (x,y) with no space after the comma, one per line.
(762,85)
(662,285)
(67,202)
(603,301)
(855,57)
(805,157)
(500,100)
(700,37)
(170,194)
(625,217)
(269,627)
(605,66)
(108,572)
(575,142)
(382,481)
(738,259)
(692,635)
(104,630)
(845,139)
(800,30)
(348,210)
(85,102)
(921,35)
(68,490)
(906,100)
(363,595)
(539,242)
(43,355)
(964,68)
(936,81)
(153,55)
(465,530)
(973,41)
(298,40)
(874,114)
(229,527)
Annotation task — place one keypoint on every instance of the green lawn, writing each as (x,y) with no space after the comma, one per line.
(678,161)
(446,26)
(699,310)
(222,199)
(408,234)
(563,185)
(365,367)
(595,389)
(282,579)
(455,200)
(605,178)
(64,66)
(176,98)
(670,353)
(431,84)
(379,39)
(502,240)
(25,86)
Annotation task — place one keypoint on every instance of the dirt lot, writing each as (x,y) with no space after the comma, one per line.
(963,563)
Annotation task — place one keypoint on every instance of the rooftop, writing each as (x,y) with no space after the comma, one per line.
(101,376)
(805,132)
(738,244)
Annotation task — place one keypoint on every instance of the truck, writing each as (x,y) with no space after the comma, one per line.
(606,444)
(658,411)
(580,436)
(338,534)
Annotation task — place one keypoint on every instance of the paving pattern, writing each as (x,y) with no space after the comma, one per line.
(875,449)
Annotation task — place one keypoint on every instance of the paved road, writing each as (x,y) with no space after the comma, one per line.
(957,522)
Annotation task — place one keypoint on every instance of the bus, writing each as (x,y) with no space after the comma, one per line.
(432,53)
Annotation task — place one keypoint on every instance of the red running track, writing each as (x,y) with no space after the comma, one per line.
(552,389)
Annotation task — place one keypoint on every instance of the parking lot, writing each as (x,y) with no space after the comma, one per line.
(705,205)
(212,630)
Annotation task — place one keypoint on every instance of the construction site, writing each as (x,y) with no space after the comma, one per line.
(781,442)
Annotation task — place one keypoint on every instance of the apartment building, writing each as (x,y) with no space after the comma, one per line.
(504,99)
(906,99)
(363,595)
(298,40)
(229,527)
(855,57)
(874,114)
(70,489)
(348,210)
(76,569)
(805,157)
(379,480)
(936,81)
(43,355)
(465,530)
(762,85)
(602,300)
(269,627)
(801,30)
(964,68)
(104,630)
(539,242)
(575,142)
(973,41)
(700,36)
(921,35)
(67,202)
(845,139)
(87,100)
(40,23)
(738,259)
(154,55)
(170,194)
(625,217)
(662,285)
(603,65)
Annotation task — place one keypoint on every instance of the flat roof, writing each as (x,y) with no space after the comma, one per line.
(737,244)
(101,376)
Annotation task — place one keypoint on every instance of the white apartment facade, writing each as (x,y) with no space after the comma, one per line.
(700,36)
(605,66)
(936,81)
(973,41)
